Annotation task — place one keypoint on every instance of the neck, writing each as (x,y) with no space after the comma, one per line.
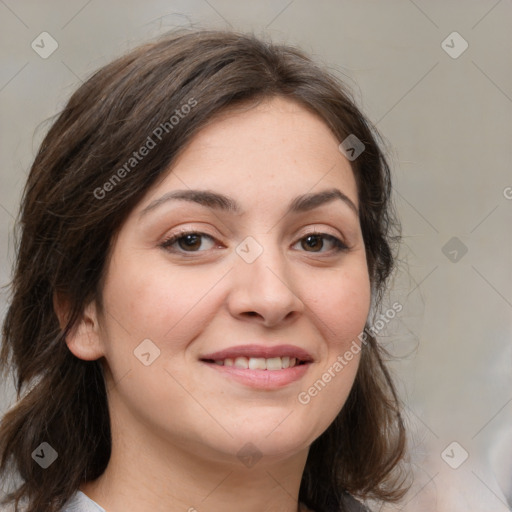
(158,476)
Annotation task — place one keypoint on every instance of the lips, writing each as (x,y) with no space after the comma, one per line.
(260,367)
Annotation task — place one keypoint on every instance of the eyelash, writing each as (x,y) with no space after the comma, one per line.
(339,246)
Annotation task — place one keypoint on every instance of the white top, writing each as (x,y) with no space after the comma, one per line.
(80,502)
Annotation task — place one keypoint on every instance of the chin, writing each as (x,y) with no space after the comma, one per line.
(274,444)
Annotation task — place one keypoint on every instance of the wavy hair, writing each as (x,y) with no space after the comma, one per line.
(65,232)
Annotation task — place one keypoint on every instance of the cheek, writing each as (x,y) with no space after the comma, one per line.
(151,300)
(341,302)
(148,301)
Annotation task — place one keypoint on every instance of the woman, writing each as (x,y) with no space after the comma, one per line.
(203,233)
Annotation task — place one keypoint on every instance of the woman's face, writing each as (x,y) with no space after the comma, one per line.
(261,280)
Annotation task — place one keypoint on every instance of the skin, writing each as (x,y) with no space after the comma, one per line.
(177,424)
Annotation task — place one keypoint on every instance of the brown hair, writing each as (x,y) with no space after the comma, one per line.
(72,208)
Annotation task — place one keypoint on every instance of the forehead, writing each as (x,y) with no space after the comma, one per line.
(262,154)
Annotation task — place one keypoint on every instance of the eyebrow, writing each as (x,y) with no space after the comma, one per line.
(218,201)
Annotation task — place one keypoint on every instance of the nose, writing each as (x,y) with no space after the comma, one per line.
(264,290)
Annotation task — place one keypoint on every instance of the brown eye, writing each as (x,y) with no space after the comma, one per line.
(187,242)
(192,242)
(315,242)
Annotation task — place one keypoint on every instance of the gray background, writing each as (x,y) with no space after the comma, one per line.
(447,123)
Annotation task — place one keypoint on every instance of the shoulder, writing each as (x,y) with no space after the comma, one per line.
(80,502)
(350,504)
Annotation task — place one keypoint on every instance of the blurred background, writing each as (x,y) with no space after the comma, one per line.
(435,78)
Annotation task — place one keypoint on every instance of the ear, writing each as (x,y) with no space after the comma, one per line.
(84,340)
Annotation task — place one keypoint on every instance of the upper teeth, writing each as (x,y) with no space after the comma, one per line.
(259,363)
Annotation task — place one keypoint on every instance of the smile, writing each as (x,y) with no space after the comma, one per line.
(260,363)
(261,366)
